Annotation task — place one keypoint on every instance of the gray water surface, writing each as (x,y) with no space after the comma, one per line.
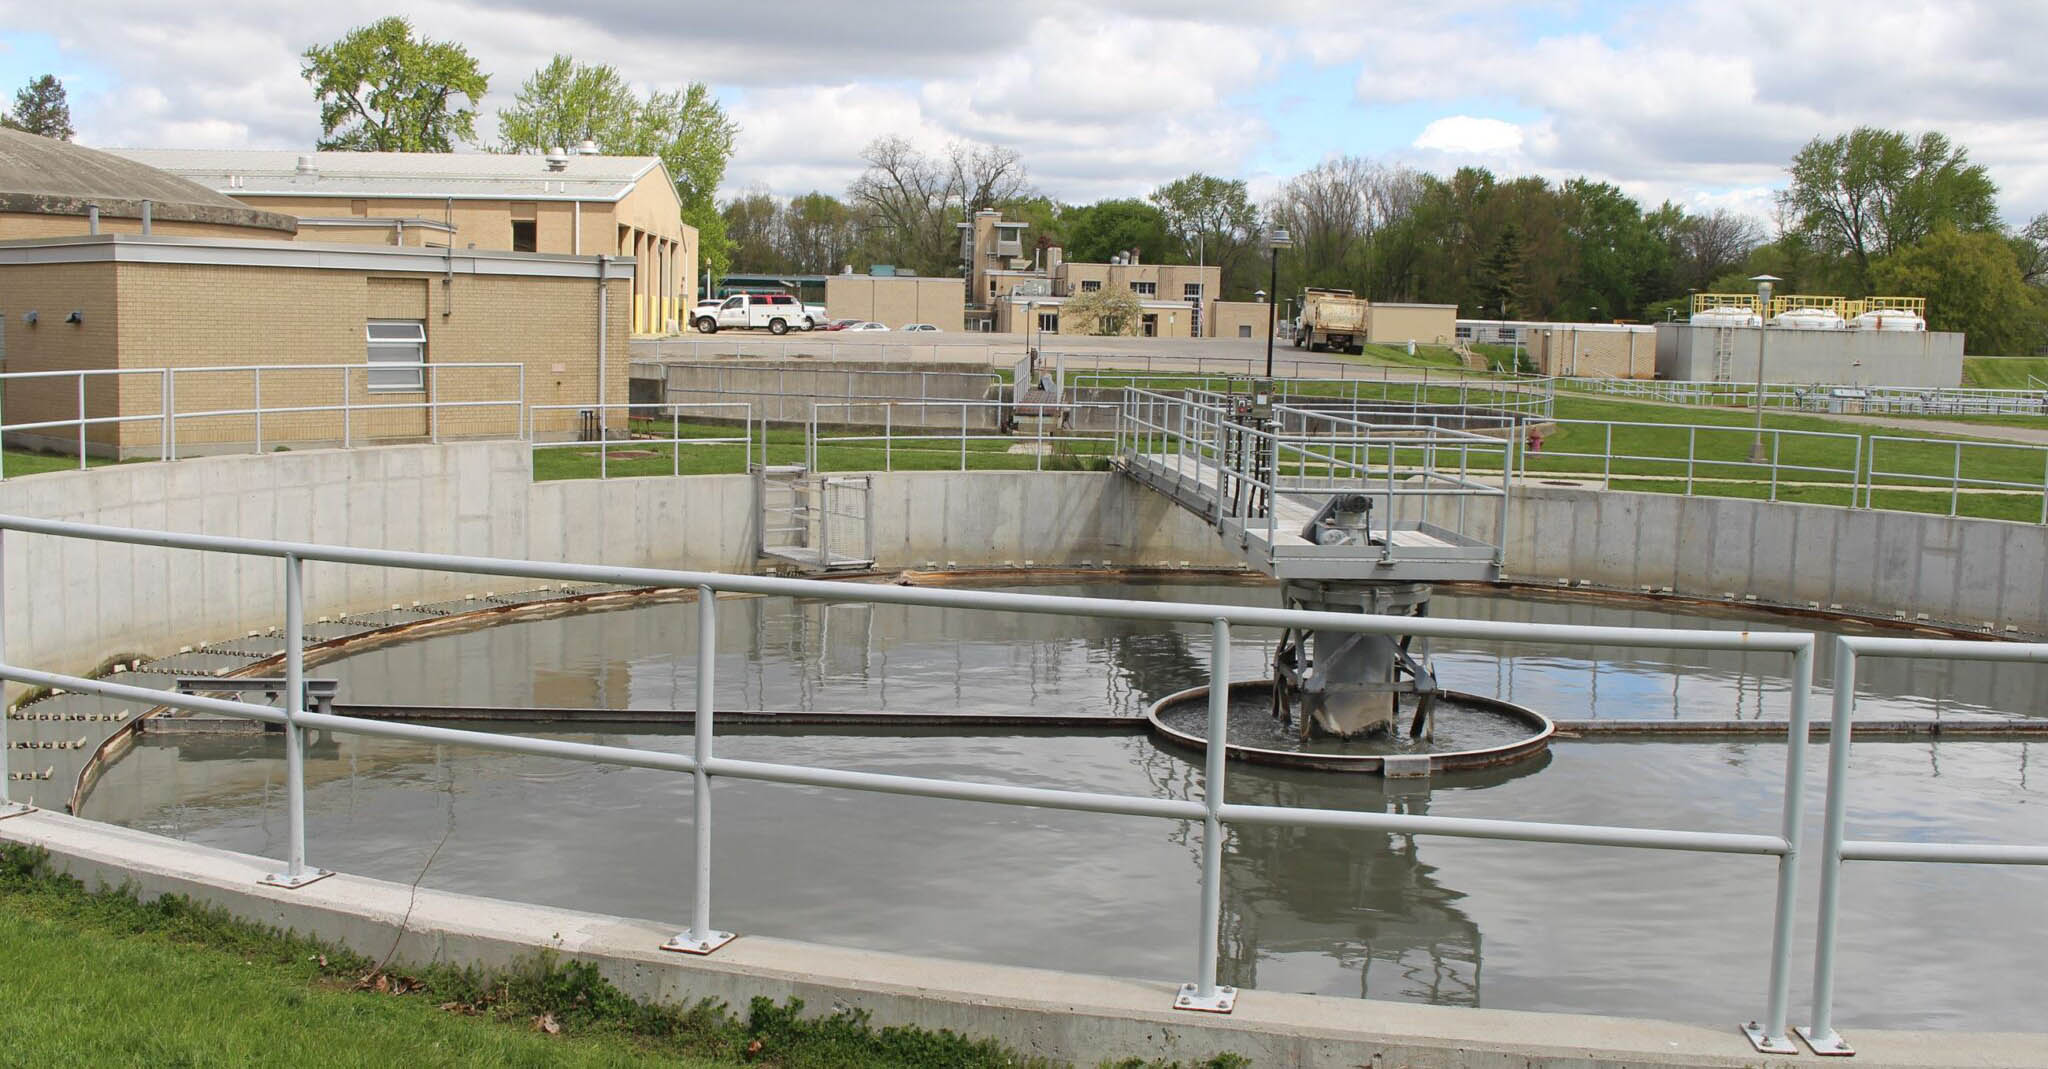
(1446,921)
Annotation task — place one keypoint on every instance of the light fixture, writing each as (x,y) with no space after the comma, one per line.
(77,316)
(29,317)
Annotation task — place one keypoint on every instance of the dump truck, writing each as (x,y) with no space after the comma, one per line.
(1332,319)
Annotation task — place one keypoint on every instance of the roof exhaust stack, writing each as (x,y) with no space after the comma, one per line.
(558,159)
(587,148)
(308,168)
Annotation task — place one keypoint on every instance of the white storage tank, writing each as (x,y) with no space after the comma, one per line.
(1727,316)
(1890,319)
(1810,319)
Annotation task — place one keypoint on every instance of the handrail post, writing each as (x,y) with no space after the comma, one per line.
(8,807)
(295,873)
(81,421)
(163,399)
(1821,1034)
(888,435)
(702,938)
(1769,1037)
(258,378)
(345,429)
(1204,994)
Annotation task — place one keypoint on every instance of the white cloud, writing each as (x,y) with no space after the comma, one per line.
(1468,136)
(1706,98)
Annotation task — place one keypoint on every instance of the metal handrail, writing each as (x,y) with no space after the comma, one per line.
(1836,848)
(168,414)
(1212,810)
(1954,478)
(675,441)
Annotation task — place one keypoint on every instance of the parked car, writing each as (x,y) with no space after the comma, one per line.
(841,324)
(869,326)
(924,328)
(776,313)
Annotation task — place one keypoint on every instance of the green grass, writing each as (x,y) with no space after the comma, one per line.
(2004,372)
(911,451)
(27,462)
(103,978)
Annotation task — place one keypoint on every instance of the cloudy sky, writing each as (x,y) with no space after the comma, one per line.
(1701,102)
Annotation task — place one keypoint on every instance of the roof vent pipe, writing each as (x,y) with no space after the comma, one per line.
(308,168)
(145,217)
(587,148)
(558,159)
(92,218)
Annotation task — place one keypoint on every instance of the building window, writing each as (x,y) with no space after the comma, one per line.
(1191,290)
(1090,285)
(1244,330)
(398,354)
(1048,322)
(523,236)
(1145,289)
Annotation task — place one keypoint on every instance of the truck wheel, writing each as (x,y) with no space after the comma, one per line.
(777,326)
(1297,339)
(707,325)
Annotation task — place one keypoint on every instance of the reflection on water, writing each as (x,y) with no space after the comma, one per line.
(1382,916)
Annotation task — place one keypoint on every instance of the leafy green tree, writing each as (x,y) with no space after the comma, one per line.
(754,226)
(1502,285)
(383,90)
(819,232)
(1107,312)
(1214,222)
(40,108)
(1870,193)
(1972,283)
(1105,228)
(564,102)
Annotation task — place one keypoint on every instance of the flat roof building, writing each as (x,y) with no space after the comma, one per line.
(573,204)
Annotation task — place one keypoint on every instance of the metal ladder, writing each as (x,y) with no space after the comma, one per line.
(1724,352)
(818,523)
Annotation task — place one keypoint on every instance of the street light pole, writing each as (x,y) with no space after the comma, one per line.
(1763,323)
(1275,241)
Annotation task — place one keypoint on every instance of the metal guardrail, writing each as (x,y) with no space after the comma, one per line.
(1838,398)
(1532,398)
(922,433)
(1957,482)
(1837,848)
(1213,810)
(654,416)
(1776,464)
(357,397)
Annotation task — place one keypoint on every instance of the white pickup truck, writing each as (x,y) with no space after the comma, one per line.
(776,313)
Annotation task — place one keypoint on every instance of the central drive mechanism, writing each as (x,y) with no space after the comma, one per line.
(1346,683)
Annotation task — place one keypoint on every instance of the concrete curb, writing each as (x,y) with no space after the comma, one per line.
(1035,1011)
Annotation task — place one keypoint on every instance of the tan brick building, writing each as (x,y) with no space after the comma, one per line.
(1396,323)
(1596,350)
(1003,284)
(896,300)
(186,311)
(569,203)
(1242,319)
(390,338)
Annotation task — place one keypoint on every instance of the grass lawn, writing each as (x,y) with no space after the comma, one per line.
(104,979)
(2004,372)
(24,462)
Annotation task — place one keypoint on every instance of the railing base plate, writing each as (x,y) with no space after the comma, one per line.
(1831,1045)
(1190,998)
(15,809)
(688,943)
(1766,1044)
(292,883)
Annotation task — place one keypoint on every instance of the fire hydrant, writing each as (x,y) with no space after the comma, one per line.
(1535,442)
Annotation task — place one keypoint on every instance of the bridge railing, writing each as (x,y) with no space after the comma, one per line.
(1213,811)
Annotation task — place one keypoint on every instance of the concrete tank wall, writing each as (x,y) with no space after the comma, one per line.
(1827,357)
(71,603)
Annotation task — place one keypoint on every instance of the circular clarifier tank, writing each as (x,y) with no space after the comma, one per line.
(1468,731)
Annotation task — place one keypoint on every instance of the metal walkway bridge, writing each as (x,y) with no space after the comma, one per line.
(1341,494)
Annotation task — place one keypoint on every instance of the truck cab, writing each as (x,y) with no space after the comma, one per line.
(776,313)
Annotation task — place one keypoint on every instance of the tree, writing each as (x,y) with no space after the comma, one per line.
(754,227)
(2030,245)
(1869,193)
(383,90)
(1502,287)
(40,109)
(819,231)
(1106,228)
(565,102)
(910,201)
(1111,311)
(1710,245)
(1972,284)
(1215,222)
